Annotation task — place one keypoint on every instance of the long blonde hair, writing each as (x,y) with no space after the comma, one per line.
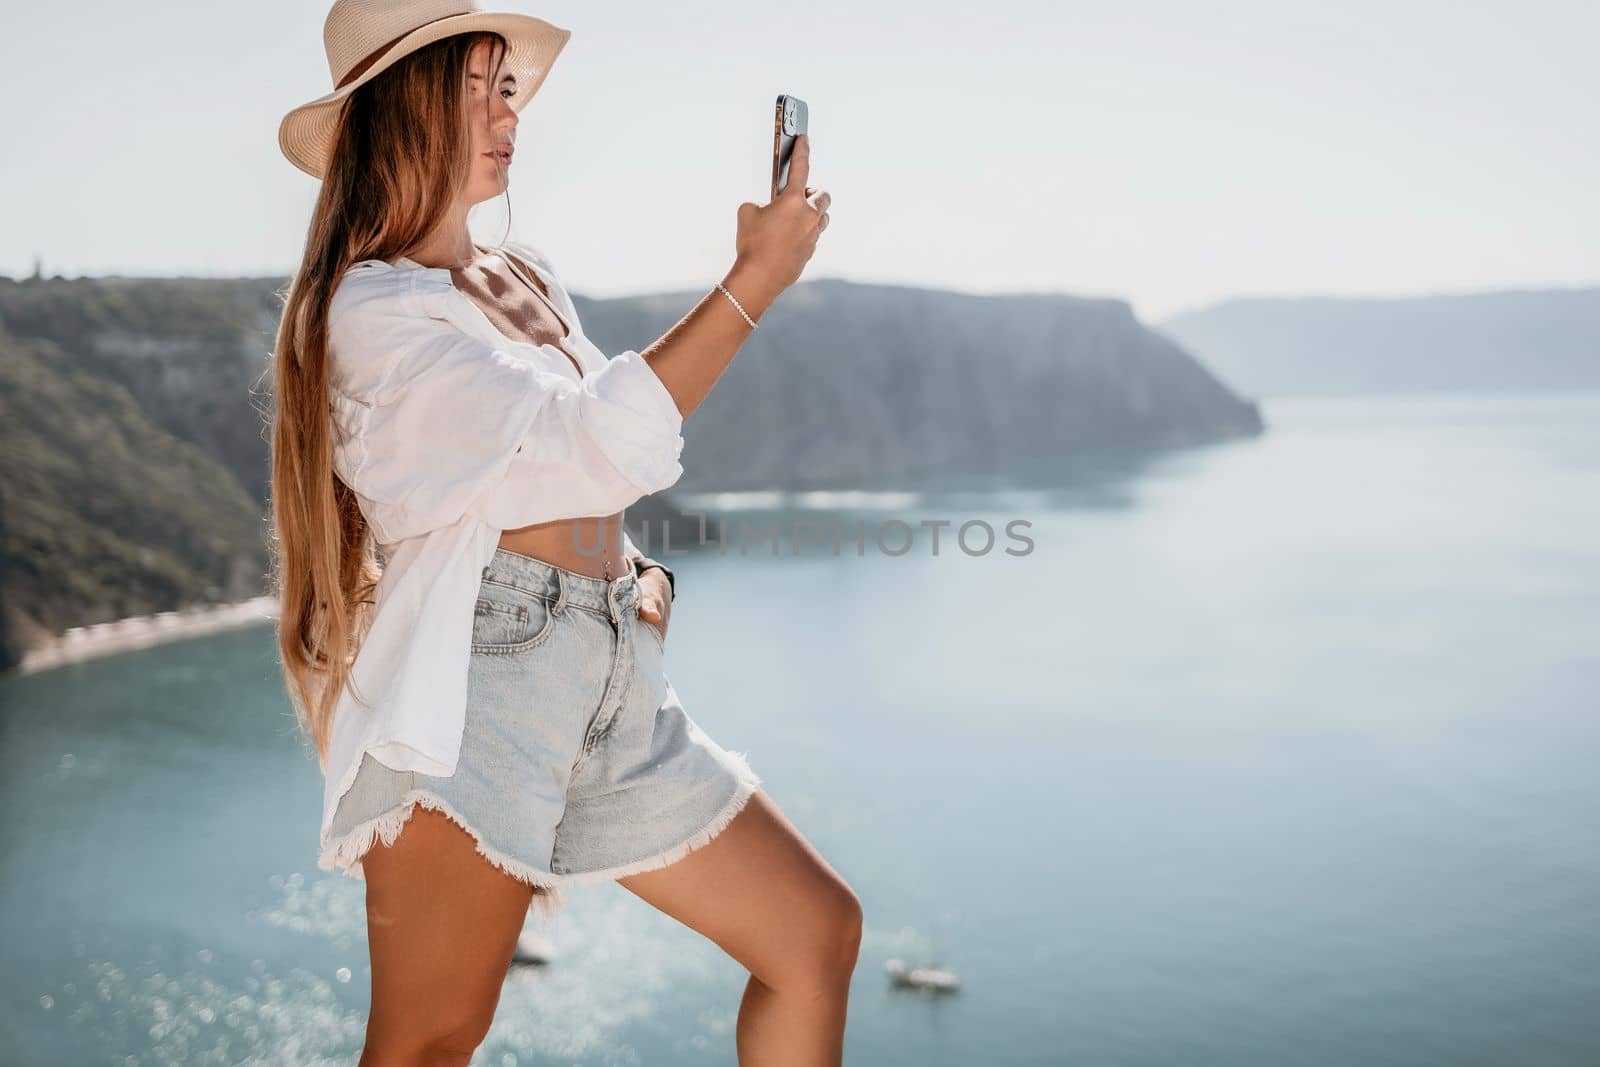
(400,158)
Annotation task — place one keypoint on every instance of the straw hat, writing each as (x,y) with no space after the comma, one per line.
(366,37)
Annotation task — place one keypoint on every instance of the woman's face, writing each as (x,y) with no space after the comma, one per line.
(493,124)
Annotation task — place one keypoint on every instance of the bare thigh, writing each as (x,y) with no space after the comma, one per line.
(761,892)
(442,923)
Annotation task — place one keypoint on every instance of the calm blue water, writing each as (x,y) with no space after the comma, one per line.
(1280,752)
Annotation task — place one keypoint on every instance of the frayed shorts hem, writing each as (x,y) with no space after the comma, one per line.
(346,853)
(748,783)
(549,897)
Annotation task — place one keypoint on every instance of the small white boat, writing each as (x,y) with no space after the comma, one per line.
(533,947)
(931,979)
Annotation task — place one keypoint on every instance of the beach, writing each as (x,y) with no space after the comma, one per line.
(141,631)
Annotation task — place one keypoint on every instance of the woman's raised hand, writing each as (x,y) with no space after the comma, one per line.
(776,239)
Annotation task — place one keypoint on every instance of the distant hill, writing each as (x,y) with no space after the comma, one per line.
(1535,339)
(845,383)
(103,512)
(133,417)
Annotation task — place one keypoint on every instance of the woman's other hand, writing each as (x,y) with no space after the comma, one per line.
(777,239)
(655,600)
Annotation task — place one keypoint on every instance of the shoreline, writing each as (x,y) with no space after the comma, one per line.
(80,643)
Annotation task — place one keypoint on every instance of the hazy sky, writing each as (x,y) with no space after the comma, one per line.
(1172,153)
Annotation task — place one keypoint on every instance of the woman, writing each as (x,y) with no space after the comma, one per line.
(488,699)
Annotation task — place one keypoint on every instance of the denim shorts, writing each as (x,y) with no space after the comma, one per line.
(578,762)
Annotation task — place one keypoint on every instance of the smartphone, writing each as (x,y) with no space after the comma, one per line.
(788,121)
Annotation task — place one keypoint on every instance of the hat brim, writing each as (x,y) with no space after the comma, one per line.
(306,134)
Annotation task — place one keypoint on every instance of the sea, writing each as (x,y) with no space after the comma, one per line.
(1280,751)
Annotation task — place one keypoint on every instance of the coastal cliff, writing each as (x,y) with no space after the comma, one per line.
(845,383)
(134,417)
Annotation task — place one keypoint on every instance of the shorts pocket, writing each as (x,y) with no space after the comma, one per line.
(655,634)
(505,621)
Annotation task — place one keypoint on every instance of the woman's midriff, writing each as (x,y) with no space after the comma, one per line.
(575,544)
(587,545)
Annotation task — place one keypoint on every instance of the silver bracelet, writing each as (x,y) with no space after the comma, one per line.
(738,305)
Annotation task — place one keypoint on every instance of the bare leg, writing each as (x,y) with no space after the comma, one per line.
(442,923)
(768,898)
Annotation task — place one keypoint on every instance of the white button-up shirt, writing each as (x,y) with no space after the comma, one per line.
(449,432)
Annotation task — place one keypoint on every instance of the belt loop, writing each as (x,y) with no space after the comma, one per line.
(561,594)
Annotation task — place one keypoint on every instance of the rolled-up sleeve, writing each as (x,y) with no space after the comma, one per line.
(441,425)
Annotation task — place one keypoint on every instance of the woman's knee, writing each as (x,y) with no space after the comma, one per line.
(847,925)
(828,940)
